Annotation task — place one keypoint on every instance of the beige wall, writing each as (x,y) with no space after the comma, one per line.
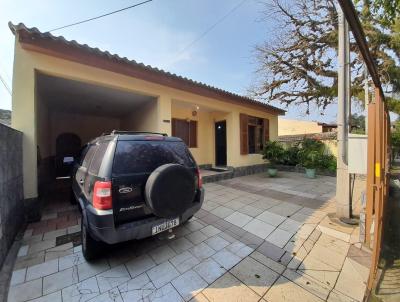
(87,127)
(292,127)
(25,108)
(143,118)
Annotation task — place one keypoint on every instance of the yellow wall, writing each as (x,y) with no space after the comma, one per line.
(142,119)
(292,127)
(25,109)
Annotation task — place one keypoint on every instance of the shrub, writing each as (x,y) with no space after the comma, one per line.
(273,152)
(291,156)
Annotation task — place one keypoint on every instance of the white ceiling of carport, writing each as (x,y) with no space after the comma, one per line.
(84,98)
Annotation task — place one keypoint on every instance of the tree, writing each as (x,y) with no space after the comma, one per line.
(357,123)
(299,65)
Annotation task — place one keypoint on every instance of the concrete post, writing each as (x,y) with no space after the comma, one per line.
(343,207)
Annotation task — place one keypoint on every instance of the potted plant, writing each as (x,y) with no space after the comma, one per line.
(273,153)
(310,155)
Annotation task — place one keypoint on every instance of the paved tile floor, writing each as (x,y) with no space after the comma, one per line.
(255,239)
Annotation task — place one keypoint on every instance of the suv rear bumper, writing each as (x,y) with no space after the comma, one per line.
(101,225)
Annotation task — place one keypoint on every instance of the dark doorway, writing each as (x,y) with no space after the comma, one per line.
(68,146)
(220,143)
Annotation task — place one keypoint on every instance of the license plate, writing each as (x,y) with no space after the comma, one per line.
(165,226)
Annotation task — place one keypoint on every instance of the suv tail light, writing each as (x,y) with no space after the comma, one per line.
(199,178)
(102,199)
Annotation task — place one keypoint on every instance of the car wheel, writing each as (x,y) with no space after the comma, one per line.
(90,247)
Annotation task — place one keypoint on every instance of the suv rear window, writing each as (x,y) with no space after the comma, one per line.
(146,156)
(98,158)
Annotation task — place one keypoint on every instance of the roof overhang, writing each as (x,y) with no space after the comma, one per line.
(33,40)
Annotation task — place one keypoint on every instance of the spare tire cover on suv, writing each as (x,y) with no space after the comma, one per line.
(170,190)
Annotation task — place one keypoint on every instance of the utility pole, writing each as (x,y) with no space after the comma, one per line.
(343,207)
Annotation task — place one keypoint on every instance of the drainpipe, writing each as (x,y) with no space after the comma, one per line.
(343,207)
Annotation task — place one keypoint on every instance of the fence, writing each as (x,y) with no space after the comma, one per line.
(11,187)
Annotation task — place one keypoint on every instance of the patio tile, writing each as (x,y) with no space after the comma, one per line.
(23,251)
(194,225)
(327,256)
(297,258)
(112,278)
(42,245)
(25,291)
(166,293)
(196,237)
(139,265)
(113,295)
(54,234)
(238,219)
(290,225)
(222,211)
(284,209)
(54,297)
(162,274)
(29,260)
(189,284)
(310,285)
(285,290)
(71,260)
(352,279)
(162,254)
(227,287)
(210,231)
(216,243)
(271,218)
(41,270)
(199,298)
(305,230)
(202,251)
(239,249)
(18,276)
(319,270)
(279,237)
(268,262)
(259,228)
(227,237)
(81,292)
(264,204)
(209,270)
(226,258)
(180,245)
(57,281)
(235,204)
(184,261)
(136,289)
(90,269)
(255,275)
(271,251)
(250,211)
(336,296)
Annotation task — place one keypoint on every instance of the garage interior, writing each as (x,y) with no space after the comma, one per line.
(70,113)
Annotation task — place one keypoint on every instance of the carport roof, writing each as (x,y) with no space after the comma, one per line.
(58,46)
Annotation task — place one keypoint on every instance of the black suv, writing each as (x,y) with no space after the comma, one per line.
(134,185)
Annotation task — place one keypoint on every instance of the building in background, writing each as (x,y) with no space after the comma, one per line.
(294,127)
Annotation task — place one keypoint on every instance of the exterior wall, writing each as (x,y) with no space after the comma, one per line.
(85,126)
(11,190)
(25,107)
(291,127)
(142,119)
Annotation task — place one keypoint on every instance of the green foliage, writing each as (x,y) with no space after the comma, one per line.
(298,64)
(357,124)
(291,155)
(273,152)
(395,138)
(312,155)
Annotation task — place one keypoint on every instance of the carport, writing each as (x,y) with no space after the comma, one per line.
(70,113)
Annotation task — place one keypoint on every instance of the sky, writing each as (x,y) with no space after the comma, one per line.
(160,34)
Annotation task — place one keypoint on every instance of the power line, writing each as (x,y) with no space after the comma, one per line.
(5,84)
(203,34)
(101,16)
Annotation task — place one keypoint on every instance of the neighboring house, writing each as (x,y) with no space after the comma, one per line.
(66,92)
(5,117)
(294,127)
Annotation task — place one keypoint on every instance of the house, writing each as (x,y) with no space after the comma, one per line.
(294,127)
(65,94)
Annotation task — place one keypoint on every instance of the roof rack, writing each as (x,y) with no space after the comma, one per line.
(136,132)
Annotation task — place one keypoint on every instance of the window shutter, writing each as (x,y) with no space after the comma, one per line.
(193,134)
(266,130)
(244,136)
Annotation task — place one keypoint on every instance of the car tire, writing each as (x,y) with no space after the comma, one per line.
(90,247)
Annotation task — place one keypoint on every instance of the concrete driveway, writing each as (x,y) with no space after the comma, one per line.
(256,239)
